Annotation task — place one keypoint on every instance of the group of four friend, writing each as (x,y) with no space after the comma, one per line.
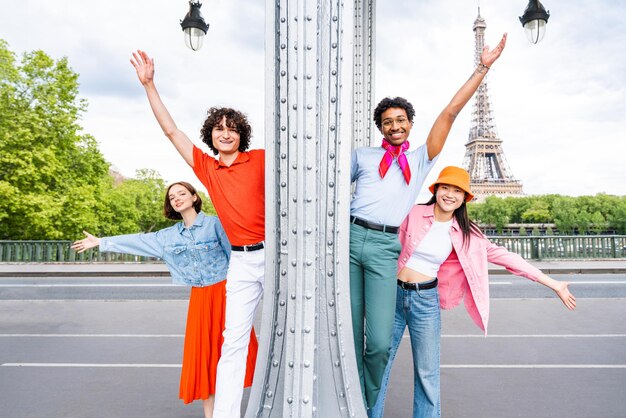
(406,260)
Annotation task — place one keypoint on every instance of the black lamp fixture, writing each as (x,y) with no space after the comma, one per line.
(194,26)
(534,21)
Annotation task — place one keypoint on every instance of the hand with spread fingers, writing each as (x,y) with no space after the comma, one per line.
(562,291)
(86,243)
(144,66)
(487,58)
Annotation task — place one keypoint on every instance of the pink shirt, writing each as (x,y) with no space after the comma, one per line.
(464,274)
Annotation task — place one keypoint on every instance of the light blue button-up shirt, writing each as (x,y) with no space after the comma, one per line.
(196,256)
(386,201)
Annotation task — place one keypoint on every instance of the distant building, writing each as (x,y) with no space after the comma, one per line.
(490,173)
(117,176)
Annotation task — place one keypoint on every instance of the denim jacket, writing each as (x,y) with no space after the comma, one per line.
(196,256)
(464,274)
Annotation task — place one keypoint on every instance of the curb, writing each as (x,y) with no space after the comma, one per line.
(571,270)
(35,274)
(133,273)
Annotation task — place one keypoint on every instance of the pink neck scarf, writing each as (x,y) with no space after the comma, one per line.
(398,152)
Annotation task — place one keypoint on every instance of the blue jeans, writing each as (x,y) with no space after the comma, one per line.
(419,310)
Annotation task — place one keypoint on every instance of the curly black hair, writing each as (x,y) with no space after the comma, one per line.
(234,120)
(388,103)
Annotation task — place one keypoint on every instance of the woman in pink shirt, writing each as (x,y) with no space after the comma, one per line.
(444,260)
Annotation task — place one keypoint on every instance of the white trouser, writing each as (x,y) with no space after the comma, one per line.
(244,288)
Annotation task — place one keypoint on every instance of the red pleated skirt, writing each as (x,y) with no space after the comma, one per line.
(203,343)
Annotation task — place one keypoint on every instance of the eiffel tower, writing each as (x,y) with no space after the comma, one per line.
(490,173)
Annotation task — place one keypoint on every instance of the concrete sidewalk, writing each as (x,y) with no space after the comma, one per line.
(615,266)
(83,270)
(609,266)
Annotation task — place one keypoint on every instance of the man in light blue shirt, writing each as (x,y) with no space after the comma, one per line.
(388,180)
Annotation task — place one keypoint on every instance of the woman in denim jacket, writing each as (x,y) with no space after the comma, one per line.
(444,260)
(196,252)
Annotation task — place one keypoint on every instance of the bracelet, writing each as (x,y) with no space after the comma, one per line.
(483,65)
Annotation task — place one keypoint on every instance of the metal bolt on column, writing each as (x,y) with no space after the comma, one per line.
(315,96)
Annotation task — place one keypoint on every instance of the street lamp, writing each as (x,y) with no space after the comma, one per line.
(194,26)
(534,21)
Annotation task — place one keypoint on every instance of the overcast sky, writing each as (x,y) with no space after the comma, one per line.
(560,106)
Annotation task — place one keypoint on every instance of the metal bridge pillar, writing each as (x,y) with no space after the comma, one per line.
(319,76)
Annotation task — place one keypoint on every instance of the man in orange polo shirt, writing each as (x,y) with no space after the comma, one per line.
(236,185)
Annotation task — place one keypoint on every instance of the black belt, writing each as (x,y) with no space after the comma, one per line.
(372,225)
(415,286)
(252,247)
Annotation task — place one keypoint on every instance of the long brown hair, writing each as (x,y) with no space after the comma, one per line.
(462,218)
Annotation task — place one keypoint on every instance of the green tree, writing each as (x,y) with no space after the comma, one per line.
(583,218)
(581,214)
(49,169)
(598,223)
(474,211)
(147,191)
(538,212)
(496,212)
(616,218)
(565,214)
(518,205)
(612,208)
(54,181)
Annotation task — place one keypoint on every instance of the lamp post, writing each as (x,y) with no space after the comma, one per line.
(534,21)
(194,26)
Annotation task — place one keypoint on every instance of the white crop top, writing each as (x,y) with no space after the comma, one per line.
(433,250)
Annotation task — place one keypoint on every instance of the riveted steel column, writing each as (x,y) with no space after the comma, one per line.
(363,71)
(305,365)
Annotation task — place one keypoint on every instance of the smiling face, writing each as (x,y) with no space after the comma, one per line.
(448,199)
(181,199)
(395,125)
(226,139)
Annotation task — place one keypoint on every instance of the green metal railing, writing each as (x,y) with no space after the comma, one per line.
(533,248)
(565,247)
(59,251)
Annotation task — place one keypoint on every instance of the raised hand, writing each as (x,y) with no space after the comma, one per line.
(489,57)
(562,291)
(144,66)
(86,243)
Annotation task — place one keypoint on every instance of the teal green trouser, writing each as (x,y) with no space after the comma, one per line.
(373,272)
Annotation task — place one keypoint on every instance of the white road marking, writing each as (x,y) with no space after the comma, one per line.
(549,298)
(578,282)
(443,366)
(533,366)
(534,336)
(8,335)
(498,283)
(596,282)
(94,335)
(94,285)
(118,365)
(406,335)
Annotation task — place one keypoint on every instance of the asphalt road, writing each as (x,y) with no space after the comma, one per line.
(112,346)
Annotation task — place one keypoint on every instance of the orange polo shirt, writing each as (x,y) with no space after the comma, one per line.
(237,192)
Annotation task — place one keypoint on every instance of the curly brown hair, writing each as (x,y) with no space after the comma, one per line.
(234,120)
(169,211)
